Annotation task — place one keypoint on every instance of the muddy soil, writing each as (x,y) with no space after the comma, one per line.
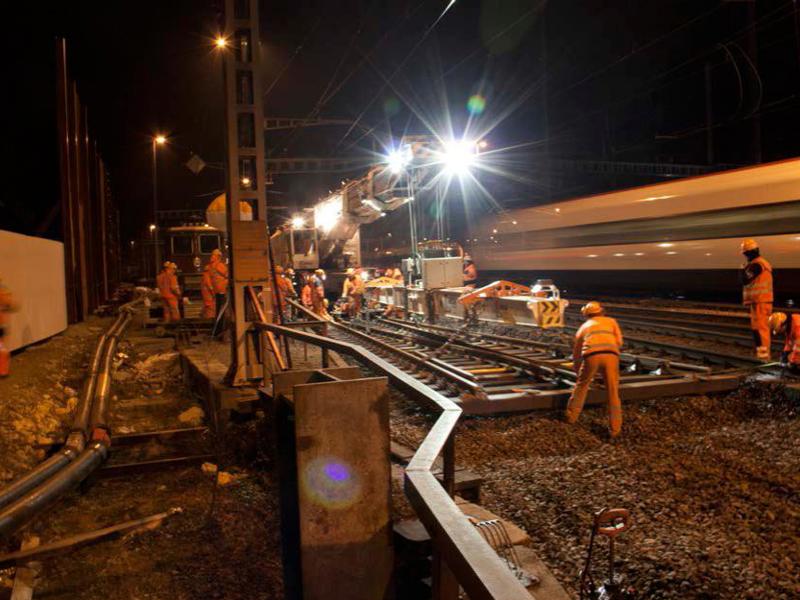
(225,541)
(38,398)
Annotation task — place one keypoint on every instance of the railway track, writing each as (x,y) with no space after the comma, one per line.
(728,327)
(488,371)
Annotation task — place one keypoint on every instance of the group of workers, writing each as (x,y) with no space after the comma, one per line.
(599,340)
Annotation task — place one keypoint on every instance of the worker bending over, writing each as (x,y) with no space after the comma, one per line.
(757,295)
(353,290)
(7,305)
(470,273)
(597,346)
(780,323)
(168,288)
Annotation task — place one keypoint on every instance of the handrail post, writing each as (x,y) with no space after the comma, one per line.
(445,585)
(449,466)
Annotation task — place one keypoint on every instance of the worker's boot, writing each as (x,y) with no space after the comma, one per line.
(762,353)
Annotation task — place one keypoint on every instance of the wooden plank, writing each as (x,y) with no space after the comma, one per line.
(343,473)
(25,577)
(84,539)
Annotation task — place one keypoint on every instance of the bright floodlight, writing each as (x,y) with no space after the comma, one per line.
(152,227)
(298,222)
(459,156)
(220,42)
(160,139)
(397,160)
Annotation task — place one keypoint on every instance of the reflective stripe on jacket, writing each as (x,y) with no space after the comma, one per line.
(598,334)
(760,288)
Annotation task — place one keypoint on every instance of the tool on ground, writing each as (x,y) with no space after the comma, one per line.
(609,522)
(495,534)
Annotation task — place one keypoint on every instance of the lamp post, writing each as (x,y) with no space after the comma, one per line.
(158,140)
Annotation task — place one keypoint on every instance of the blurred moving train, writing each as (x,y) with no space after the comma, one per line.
(679,238)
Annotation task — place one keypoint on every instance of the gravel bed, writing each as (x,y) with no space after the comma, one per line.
(713,484)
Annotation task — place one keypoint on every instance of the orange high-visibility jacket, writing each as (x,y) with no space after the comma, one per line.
(167,285)
(598,334)
(218,271)
(760,289)
(206,287)
(305,295)
(792,345)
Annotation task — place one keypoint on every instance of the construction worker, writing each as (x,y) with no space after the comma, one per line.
(597,346)
(218,273)
(757,295)
(318,292)
(168,288)
(397,275)
(291,280)
(7,305)
(307,292)
(353,290)
(207,293)
(780,323)
(284,288)
(470,273)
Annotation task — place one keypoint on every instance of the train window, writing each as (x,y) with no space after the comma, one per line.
(208,242)
(182,245)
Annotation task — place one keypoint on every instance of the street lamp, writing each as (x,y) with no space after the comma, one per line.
(158,140)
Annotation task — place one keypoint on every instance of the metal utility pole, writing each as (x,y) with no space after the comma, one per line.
(156,253)
(248,241)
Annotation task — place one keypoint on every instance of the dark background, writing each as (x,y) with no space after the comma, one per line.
(617,81)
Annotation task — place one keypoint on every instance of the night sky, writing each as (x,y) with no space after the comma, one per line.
(619,80)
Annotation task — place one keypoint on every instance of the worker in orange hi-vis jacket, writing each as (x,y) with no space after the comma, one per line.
(207,293)
(7,305)
(597,347)
(470,273)
(168,288)
(781,323)
(306,292)
(757,295)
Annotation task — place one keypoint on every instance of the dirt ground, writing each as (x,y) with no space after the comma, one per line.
(37,399)
(713,484)
(225,541)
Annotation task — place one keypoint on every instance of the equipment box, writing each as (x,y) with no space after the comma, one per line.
(442,272)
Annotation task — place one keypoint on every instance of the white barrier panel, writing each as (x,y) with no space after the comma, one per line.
(33,269)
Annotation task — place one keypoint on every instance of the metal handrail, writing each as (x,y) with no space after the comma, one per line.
(475,565)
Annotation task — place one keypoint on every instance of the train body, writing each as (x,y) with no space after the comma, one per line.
(190,247)
(679,238)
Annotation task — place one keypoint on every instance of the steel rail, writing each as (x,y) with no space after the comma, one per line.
(26,497)
(475,565)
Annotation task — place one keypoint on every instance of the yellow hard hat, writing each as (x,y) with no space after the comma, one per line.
(319,271)
(167,265)
(278,269)
(591,309)
(350,271)
(216,251)
(777,321)
(749,244)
